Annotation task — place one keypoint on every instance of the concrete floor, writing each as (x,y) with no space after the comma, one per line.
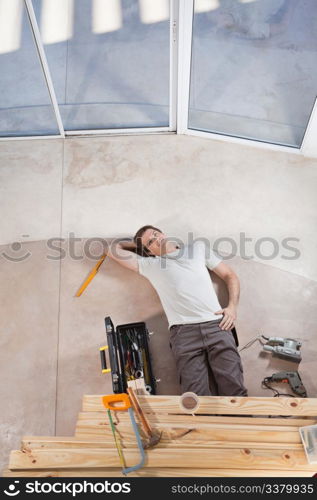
(108,187)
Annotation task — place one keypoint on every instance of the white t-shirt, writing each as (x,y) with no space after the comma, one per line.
(183,283)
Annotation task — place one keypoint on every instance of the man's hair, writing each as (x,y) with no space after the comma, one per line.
(140,249)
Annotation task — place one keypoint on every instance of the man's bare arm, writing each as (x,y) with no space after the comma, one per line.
(233,285)
(121,253)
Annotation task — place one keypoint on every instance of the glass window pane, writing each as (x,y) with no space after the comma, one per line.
(109,61)
(25,106)
(254,71)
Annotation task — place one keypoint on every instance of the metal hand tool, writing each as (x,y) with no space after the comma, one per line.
(90,276)
(153,437)
(109,403)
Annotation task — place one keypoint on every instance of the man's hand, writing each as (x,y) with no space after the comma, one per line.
(123,253)
(127,245)
(229,317)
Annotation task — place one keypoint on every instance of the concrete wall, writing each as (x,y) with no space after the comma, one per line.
(108,187)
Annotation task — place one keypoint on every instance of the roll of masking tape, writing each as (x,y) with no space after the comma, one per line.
(189,402)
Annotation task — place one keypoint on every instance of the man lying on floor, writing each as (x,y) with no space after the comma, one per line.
(201,340)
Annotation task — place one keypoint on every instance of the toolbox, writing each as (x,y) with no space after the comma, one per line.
(129,356)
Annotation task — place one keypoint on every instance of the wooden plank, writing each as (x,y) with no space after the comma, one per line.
(220,405)
(32,444)
(199,435)
(125,424)
(239,458)
(154,419)
(194,424)
(157,472)
(103,425)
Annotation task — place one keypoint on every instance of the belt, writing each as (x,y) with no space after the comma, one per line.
(199,323)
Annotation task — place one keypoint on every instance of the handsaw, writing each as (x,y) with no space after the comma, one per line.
(108,403)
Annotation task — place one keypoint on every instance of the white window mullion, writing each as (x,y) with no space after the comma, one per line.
(309,144)
(44,64)
(29,137)
(119,131)
(186,9)
(174,22)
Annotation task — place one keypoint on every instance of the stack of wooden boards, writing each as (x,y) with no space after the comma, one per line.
(228,436)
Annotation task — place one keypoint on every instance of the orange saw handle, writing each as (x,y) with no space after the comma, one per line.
(116,398)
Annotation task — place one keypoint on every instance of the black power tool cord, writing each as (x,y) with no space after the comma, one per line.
(264,383)
(277,394)
(258,337)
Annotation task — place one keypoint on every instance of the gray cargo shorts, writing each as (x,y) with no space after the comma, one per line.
(207,359)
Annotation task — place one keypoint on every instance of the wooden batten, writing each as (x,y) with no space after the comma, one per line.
(157,472)
(231,458)
(157,418)
(220,405)
(227,437)
(33,444)
(197,436)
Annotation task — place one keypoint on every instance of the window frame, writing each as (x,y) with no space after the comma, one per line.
(186,18)
(181,32)
(173,52)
